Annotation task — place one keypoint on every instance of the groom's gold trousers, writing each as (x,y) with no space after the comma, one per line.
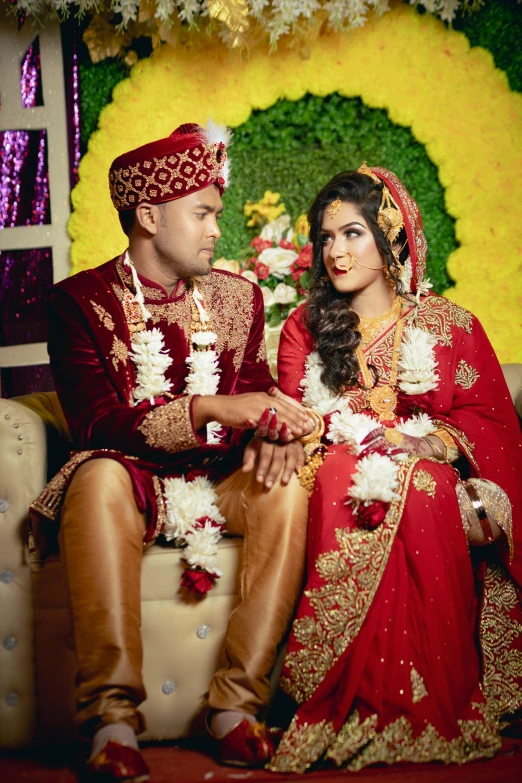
(101,545)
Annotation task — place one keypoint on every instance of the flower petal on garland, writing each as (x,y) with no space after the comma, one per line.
(417,363)
(419,425)
(315,393)
(348,427)
(375,478)
(151,360)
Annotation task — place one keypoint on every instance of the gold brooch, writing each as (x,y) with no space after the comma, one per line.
(334,207)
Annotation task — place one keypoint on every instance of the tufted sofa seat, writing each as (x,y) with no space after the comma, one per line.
(182,639)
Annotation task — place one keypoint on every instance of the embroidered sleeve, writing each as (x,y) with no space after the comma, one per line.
(169,427)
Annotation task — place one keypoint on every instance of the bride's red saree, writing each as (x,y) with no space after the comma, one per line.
(406,646)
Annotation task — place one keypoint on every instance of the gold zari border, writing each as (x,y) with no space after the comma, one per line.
(352,575)
(359,744)
(499,634)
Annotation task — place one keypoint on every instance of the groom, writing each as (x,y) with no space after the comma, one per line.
(124,351)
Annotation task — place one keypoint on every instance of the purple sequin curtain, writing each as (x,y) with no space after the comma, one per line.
(31,76)
(25,275)
(24,179)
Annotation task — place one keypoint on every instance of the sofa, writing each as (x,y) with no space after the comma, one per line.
(182,637)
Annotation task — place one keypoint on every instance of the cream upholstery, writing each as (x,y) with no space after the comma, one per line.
(182,641)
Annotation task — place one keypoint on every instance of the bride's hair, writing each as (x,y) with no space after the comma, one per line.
(327,315)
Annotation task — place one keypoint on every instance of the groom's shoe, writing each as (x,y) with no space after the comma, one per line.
(246,745)
(117,762)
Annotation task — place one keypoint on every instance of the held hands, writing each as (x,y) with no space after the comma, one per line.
(271,458)
(279,422)
(275,417)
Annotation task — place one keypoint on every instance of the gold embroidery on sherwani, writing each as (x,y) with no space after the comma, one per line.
(301,746)
(424,482)
(232,309)
(466,375)
(169,427)
(418,688)
(351,577)
(358,745)
(499,632)
(119,352)
(437,315)
(104,316)
(261,352)
(175,312)
(162,510)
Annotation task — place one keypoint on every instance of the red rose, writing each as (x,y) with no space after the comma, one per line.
(286,244)
(295,271)
(371,516)
(261,270)
(261,244)
(196,473)
(410,403)
(305,257)
(199,582)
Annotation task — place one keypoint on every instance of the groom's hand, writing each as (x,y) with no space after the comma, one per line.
(246,411)
(272,457)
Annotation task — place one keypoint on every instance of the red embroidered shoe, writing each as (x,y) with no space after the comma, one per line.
(247,745)
(118,762)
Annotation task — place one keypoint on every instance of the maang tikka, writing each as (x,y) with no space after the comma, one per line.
(334,207)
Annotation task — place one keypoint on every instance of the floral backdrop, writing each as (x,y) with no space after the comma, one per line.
(448,120)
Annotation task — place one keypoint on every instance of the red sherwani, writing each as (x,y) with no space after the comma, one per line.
(91,316)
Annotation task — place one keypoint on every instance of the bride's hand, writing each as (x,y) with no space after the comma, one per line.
(411,445)
(267,427)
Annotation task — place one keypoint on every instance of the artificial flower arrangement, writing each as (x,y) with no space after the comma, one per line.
(278,258)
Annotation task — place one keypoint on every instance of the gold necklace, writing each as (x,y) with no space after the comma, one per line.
(382,399)
(370,328)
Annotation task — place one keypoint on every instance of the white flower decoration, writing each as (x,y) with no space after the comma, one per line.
(268,296)
(151,360)
(419,425)
(250,275)
(352,428)
(274,231)
(228,266)
(285,294)
(315,394)
(278,260)
(204,339)
(417,365)
(375,478)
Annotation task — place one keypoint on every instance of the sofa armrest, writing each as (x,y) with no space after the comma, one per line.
(23,475)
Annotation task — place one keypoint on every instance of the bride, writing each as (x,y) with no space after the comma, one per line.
(407,644)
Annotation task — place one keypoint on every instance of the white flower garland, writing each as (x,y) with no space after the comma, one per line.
(194,520)
(375,477)
(417,363)
(186,501)
(151,362)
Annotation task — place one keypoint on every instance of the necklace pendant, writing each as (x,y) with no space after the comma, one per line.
(383,401)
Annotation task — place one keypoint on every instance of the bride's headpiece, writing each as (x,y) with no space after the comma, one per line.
(398,210)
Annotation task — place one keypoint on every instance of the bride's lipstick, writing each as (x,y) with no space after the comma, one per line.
(338,271)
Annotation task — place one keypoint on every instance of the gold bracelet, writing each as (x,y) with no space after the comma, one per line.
(318,430)
(451,450)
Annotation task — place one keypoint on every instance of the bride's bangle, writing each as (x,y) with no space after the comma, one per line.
(436,450)
(318,430)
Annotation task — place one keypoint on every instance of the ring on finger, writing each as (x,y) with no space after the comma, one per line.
(272,410)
